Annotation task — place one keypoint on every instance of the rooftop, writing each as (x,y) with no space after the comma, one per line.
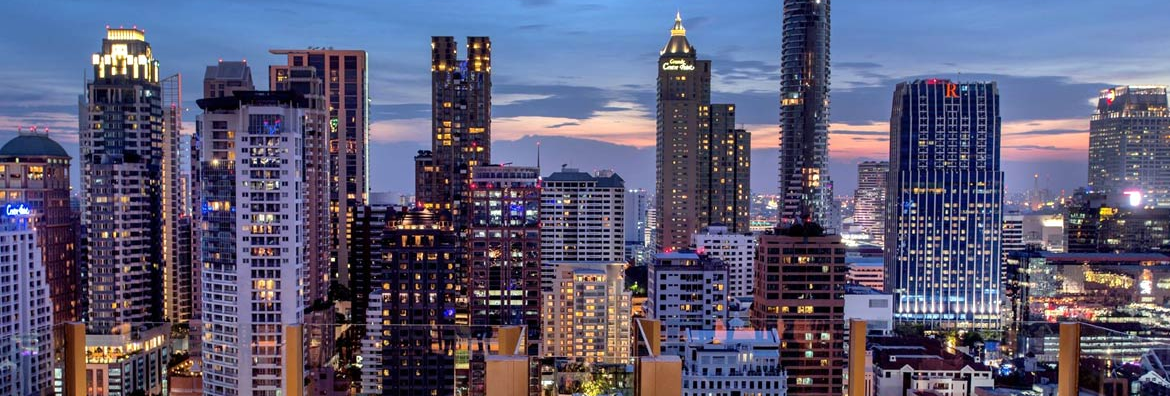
(29,144)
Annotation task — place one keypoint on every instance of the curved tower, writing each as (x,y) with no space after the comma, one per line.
(804,114)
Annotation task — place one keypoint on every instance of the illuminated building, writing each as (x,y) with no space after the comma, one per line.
(687,291)
(1129,155)
(909,366)
(702,160)
(253,221)
(124,361)
(945,219)
(503,242)
(26,326)
(412,343)
(1094,225)
(732,363)
(637,204)
(122,161)
(804,113)
(178,256)
(582,217)
(586,311)
(461,125)
(736,250)
(870,199)
(1013,232)
(800,279)
(36,171)
(866,271)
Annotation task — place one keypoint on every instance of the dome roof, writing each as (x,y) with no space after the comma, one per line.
(678,43)
(30,145)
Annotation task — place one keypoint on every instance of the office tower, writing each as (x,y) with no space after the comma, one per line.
(804,112)
(1128,149)
(736,250)
(586,311)
(176,242)
(254,232)
(944,216)
(800,291)
(36,171)
(637,204)
(122,163)
(26,327)
(869,200)
(1093,225)
(461,125)
(581,217)
(1013,232)
(688,291)
(412,337)
(701,159)
(730,362)
(344,75)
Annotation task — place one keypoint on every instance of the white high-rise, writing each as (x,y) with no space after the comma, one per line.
(688,291)
(26,317)
(738,252)
(582,217)
(253,258)
(586,311)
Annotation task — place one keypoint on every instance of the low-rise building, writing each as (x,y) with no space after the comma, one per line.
(128,359)
(872,306)
(729,363)
(908,366)
(866,271)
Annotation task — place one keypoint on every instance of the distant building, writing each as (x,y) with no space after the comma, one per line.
(1128,149)
(870,199)
(688,291)
(26,314)
(735,362)
(1155,381)
(736,250)
(866,271)
(907,367)
(635,222)
(1013,232)
(582,217)
(586,311)
(1095,226)
(872,306)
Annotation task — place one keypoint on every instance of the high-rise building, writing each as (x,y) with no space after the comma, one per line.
(122,161)
(944,217)
(804,112)
(736,250)
(637,204)
(461,125)
(869,211)
(344,75)
(252,162)
(1095,226)
(687,291)
(800,279)
(586,311)
(26,325)
(178,254)
(733,361)
(1129,154)
(582,217)
(36,171)
(412,339)
(702,161)
(1013,232)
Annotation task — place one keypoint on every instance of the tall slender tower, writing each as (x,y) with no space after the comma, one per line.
(944,205)
(461,125)
(870,199)
(804,113)
(177,253)
(1128,148)
(122,138)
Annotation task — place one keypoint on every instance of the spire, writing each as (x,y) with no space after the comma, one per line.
(678,29)
(678,39)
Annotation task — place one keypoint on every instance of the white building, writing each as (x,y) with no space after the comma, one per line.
(866,271)
(586,311)
(637,204)
(688,291)
(738,252)
(26,317)
(582,217)
(253,256)
(904,366)
(872,306)
(728,363)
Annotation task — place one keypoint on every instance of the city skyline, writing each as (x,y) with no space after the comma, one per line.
(1048,84)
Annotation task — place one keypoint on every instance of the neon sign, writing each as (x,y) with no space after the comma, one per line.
(273,128)
(677,64)
(952,90)
(17,210)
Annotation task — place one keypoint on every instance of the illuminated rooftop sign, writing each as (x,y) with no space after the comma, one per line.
(677,65)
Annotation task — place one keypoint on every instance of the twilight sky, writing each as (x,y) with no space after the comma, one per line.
(578,76)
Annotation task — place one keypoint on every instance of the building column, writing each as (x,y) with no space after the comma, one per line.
(294,360)
(507,371)
(1068,360)
(857,333)
(74,376)
(656,375)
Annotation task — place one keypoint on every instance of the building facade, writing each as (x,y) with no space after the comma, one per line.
(635,224)
(728,363)
(124,361)
(461,125)
(26,311)
(254,276)
(912,366)
(866,271)
(1093,225)
(800,279)
(687,291)
(586,311)
(1128,149)
(869,200)
(736,250)
(582,217)
(945,204)
(804,113)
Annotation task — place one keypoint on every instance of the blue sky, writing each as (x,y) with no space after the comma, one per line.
(572,70)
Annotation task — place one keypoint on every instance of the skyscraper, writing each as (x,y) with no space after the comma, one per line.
(178,255)
(581,217)
(869,200)
(36,171)
(804,112)
(586,311)
(702,160)
(637,204)
(254,220)
(122,160)
(736,250)
(800,292)
(344,74)
(461,125)
(687,291)
(944,217)
(26,327)
(1129,154)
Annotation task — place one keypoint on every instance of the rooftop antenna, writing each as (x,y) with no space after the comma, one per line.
(537,155)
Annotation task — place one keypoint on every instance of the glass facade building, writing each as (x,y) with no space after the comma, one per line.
(804,113)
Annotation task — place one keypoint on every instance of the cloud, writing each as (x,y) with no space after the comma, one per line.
(856,65)
(62,126)
(538,26)
(401,130)
(562,125)
(1033,147)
